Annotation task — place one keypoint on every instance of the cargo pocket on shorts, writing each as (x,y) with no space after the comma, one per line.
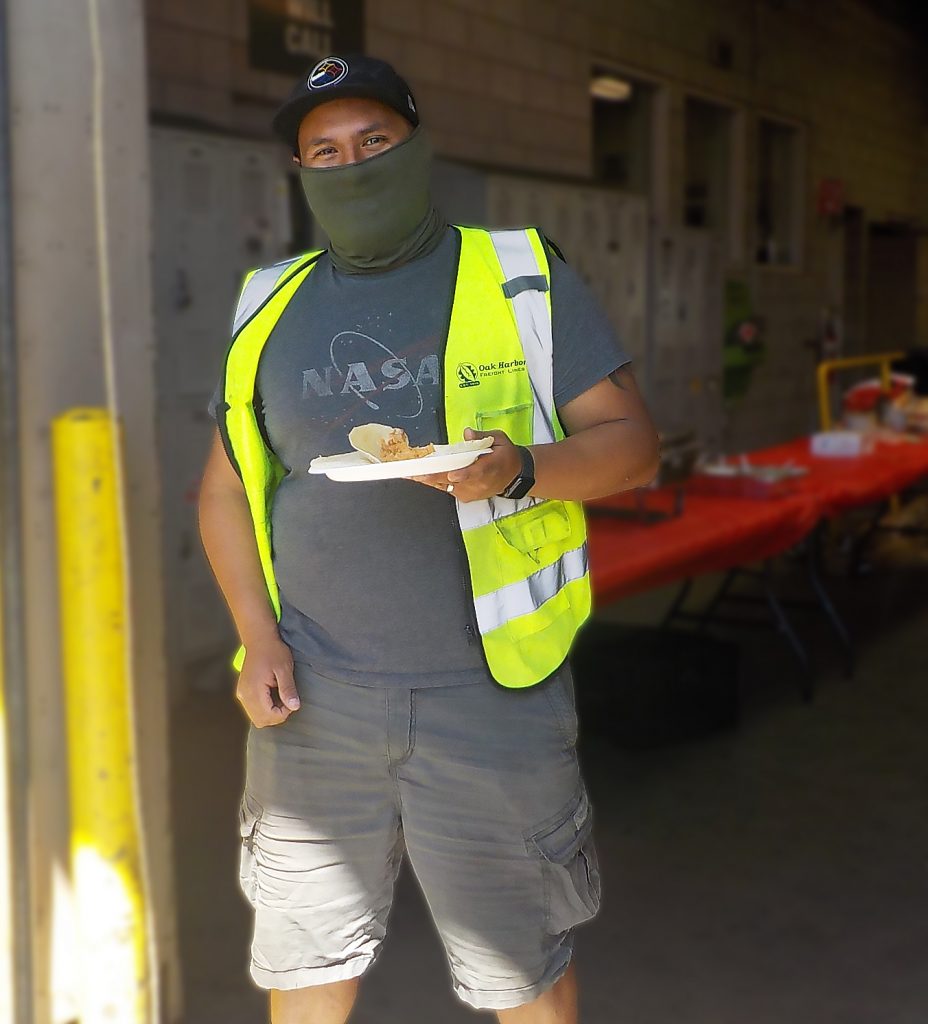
(249,817)
(570,865)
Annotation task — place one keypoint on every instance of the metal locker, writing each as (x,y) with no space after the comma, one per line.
(686,352)
(604,235)
(220,208)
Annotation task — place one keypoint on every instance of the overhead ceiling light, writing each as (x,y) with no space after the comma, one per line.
(608,87)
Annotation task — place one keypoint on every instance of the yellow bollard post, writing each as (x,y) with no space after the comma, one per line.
(105,842)
(6,877)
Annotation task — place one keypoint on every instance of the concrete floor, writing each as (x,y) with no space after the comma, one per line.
(776,874)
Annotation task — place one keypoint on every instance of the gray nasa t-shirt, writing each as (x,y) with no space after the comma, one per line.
(373,576)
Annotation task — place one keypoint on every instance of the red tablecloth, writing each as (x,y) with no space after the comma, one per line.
(718,533)
(838,484)
(711,535)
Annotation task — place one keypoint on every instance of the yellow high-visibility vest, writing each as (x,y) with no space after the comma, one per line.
(527,557)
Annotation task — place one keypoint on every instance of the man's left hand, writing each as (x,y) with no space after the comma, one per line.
(487,476)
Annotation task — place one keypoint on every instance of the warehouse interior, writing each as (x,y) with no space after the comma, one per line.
(743,186)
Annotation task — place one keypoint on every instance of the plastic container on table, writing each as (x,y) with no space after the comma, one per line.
(732,481)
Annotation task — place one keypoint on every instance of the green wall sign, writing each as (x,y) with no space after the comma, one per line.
(743,347)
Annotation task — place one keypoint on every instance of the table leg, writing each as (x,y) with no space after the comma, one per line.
(786,628)
(860,545)
(720,595)
(674,610)
(813,563)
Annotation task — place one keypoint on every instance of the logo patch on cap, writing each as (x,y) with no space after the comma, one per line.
(329,71)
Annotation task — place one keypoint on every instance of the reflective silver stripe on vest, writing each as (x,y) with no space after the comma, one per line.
(533,318)
(473,514)
(259,286)
(528,595)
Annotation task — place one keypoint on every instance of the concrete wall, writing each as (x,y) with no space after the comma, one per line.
(58,333)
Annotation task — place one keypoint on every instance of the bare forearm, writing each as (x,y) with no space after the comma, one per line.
(611,446)
(600,460)
(229,541)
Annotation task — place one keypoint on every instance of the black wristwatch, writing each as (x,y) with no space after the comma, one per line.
(524,480)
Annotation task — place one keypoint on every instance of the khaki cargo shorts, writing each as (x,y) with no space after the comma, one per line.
(478,785)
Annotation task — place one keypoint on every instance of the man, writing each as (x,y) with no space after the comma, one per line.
(405,638)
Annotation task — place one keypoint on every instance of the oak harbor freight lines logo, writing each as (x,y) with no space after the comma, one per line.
(469,375)
(329,71)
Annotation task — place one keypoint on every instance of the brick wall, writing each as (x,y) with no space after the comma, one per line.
(198,67)
(505,83)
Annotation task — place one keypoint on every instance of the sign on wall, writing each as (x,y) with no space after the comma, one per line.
(290,35)
(830,197)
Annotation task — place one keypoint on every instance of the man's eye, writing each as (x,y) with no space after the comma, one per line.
(325,151)
(374,139)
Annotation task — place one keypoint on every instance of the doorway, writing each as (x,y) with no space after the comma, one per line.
(892,287)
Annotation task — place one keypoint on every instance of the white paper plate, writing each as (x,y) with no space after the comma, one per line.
(356,466)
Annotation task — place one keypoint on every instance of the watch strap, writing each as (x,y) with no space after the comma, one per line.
(524,480)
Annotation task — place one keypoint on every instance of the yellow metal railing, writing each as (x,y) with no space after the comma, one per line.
(6,876)
(826,370)
(105,844)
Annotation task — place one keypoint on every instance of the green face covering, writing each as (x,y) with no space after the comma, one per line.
(377,212)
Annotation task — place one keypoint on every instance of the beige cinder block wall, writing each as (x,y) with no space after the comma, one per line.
(505,83)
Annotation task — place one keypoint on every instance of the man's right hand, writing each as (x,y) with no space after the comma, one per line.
(265,686)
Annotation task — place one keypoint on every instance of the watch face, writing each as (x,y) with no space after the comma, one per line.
(519,487)
(524,482)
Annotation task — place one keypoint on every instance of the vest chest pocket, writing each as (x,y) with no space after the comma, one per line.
(516,421)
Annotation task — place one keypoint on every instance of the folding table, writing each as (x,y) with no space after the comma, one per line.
(730,534)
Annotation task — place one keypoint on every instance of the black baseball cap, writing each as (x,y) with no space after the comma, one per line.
(339,77)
